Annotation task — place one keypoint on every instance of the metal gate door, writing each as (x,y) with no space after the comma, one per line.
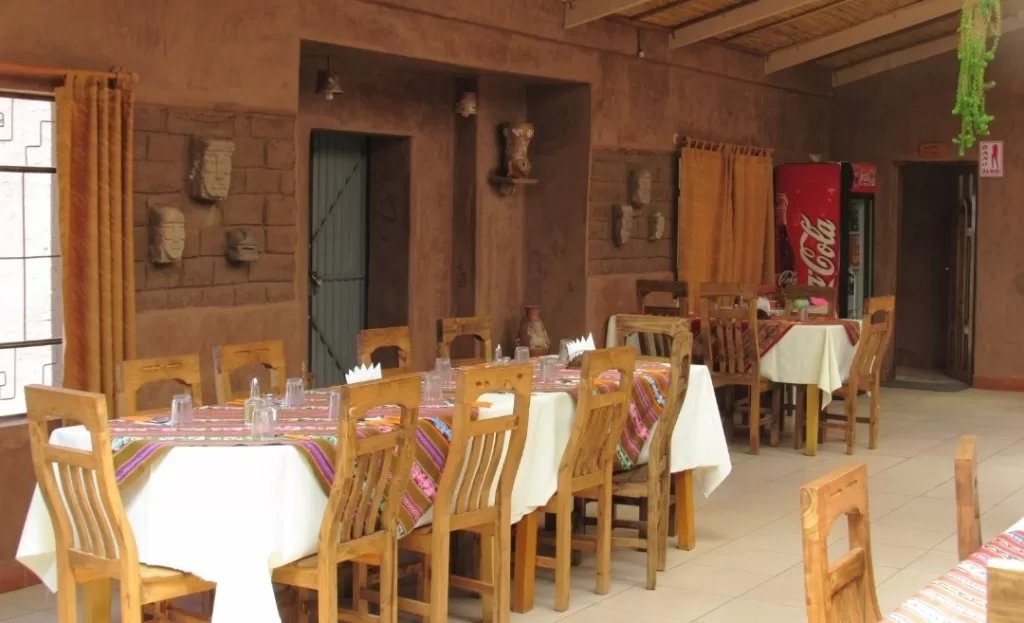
(337,252)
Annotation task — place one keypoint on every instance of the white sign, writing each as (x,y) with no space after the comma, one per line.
(990,158)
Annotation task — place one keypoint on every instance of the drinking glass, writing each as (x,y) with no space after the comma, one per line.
(522,354)
(443,368)
(547,369)
(294,393)
(182,413)
(334,405)
(432,388)
(563,352)
(263,418)
(502,361)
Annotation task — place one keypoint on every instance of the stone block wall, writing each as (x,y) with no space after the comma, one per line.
(609,185)
(261,199)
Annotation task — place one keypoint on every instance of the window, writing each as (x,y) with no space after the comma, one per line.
(31,324)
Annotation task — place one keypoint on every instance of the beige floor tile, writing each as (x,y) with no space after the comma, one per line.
(639,603)
(705,579)
(923,513)
(744,609)
(733,556)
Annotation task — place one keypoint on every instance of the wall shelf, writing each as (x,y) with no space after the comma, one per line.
(506,186)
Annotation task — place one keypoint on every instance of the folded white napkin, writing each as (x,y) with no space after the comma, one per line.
(764,304)
(363,373)
(580,346)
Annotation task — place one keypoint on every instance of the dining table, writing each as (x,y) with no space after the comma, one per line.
(211,500)
(816,353)
(960,595)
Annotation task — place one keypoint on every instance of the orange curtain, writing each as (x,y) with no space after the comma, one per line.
(725,215)
(95,117)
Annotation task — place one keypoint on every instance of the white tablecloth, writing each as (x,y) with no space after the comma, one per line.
(818,355)
(232,514)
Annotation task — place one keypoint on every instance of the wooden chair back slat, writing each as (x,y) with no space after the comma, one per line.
(372,472)
(79,487)
(485,454)
(968,510)
(654,333)
(875,333)
(132,375)
(843,592)
(795,292)
(369,341)
(1005,594)
(479,327)
(229,358)
(679,291)
(600,415)
(728,312)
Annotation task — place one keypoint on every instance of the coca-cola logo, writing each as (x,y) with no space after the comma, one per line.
(818,251)
(865,176)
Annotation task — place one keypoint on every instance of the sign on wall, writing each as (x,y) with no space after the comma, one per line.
(933,150)
(990,158)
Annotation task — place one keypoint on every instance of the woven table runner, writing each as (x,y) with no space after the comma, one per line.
(960,596)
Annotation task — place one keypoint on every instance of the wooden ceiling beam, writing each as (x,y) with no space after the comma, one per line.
(743,15)
(883,25)
(913,54)
(579,12)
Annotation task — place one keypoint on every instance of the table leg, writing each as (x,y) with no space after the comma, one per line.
(98,596)
(525,563)
(686,536)
(813,412)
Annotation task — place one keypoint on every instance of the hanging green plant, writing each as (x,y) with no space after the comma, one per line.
(981,23)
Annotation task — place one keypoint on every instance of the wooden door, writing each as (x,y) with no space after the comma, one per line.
(960,345)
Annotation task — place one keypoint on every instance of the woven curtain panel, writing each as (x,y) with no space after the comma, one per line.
(753,236)
(94,171)
(705,207)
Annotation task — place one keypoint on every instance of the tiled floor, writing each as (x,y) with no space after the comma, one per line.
(747,564)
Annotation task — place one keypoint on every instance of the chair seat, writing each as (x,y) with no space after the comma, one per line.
(163,584)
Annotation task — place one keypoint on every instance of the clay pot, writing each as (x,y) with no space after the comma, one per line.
(532,333)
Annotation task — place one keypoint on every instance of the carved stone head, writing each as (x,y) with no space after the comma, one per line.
(622,224)
(166,234)
(241,247)
(640,187)
(210,174)
(655,226)
(517,144)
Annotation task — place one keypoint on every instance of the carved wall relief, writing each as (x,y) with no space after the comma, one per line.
(655,226)
(210,173)
(517,143)
(166,234)
(640,187)
(622,224)
(241,247)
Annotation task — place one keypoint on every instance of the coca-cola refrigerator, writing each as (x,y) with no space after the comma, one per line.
(824,220)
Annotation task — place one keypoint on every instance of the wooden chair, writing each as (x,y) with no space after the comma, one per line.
(678,290)
(133,375)
(230,358)
(475,494)
(649,486)
(794,292)
(865,373)
(1005,593)
(369,341)
(478,327)
(83,500)
(968,511)
(587,466)
(360,523)
(844,591)
(728,320)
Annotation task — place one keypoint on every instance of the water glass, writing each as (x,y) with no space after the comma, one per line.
(263,418)
(563,352)
(182,413)
(443,368)
(522,354)
(432,388)
(548,369)
(502,361)
(334,405)
(294,393)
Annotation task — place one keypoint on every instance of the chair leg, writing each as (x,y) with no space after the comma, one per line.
(665,521)
(439,565)
(388,584)
(67,604)
(423,584)
(487,574)
(850,407)
(302,606)
(503,570)
(131,606)
(563,551)
(653,533)
(874,412)
(644,517)
(327,592)
(604,535)
(799,416)
(755,420)
(777,418)
(359,582)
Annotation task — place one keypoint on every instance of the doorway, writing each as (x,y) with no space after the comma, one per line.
(934,341)
(358,244)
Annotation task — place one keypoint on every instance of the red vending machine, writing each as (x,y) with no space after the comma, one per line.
(824,220)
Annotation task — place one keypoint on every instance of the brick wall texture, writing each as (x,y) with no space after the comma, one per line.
(261,199)
(609,185)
